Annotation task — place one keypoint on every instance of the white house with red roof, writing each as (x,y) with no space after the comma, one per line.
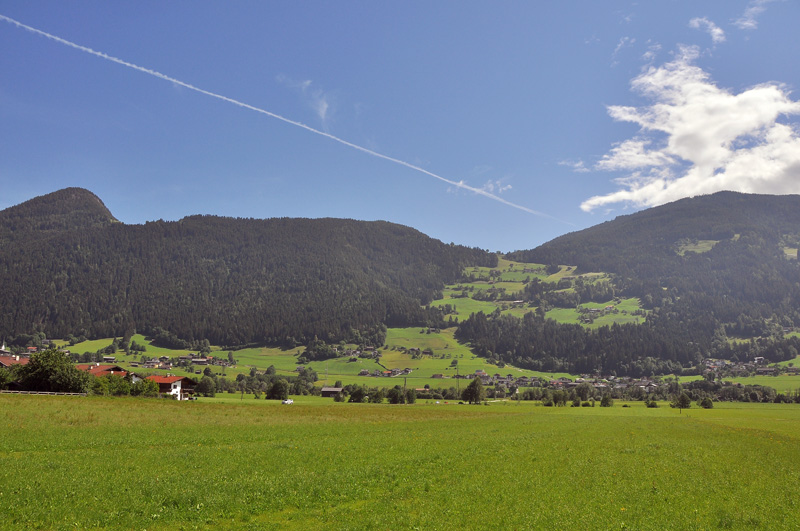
(180,387)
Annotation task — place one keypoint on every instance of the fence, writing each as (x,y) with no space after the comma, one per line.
(40,393)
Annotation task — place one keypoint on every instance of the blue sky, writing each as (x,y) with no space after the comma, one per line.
(493,124)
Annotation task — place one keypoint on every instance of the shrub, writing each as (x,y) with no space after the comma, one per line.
(606,401)
(706,403)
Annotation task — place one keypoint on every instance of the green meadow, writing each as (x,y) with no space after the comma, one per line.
(697,246)
(231,463)
(510,276)
(443,344)
(782,383)
(623,314)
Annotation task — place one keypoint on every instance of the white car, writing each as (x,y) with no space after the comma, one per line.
(288,401)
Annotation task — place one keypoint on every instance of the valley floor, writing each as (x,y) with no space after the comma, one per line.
(229,463)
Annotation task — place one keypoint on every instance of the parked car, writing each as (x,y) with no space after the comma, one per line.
(288,401)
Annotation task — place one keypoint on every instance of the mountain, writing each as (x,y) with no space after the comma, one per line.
(628,244)
(746,265)
(711,271)
(68,267)
(64,210)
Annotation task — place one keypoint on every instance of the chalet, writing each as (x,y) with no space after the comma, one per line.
(179,387)
(109,359)
(95,369)
(8,361)
(329,392)
(364,372)
(200,361)
(387,373)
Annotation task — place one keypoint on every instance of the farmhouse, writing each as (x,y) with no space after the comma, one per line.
(331,391)
(8,361)
(179,387)
(95,369)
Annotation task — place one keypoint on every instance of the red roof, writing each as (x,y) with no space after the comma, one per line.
(166,379)
(7,361)
(102,370)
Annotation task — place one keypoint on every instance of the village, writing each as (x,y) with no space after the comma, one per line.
(183,387)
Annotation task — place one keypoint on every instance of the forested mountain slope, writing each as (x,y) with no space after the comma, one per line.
(709,268)
(67,267)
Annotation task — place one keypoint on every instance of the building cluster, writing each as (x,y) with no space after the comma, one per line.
(387,373)
(758,366)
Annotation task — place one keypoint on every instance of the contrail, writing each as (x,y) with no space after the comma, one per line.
(165,77)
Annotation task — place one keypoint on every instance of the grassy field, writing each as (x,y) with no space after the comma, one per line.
(699,246)
(77,463)
(624,314)
(510,275)
(781,383)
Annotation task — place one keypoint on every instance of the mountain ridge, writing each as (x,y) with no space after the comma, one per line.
(230,280)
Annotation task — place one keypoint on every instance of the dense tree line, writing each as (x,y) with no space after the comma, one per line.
(664,344)
(67,267)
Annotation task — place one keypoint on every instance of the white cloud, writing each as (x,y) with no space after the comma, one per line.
(577,166)
(315,98)
(652,51)
(748,19)
(696,138)
(716,33)
(624,42)
(495,187)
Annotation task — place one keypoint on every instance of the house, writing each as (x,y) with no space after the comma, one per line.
(331,391)
(8,361)
(363,372)
(109,359)
(179,387)
(95,369)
